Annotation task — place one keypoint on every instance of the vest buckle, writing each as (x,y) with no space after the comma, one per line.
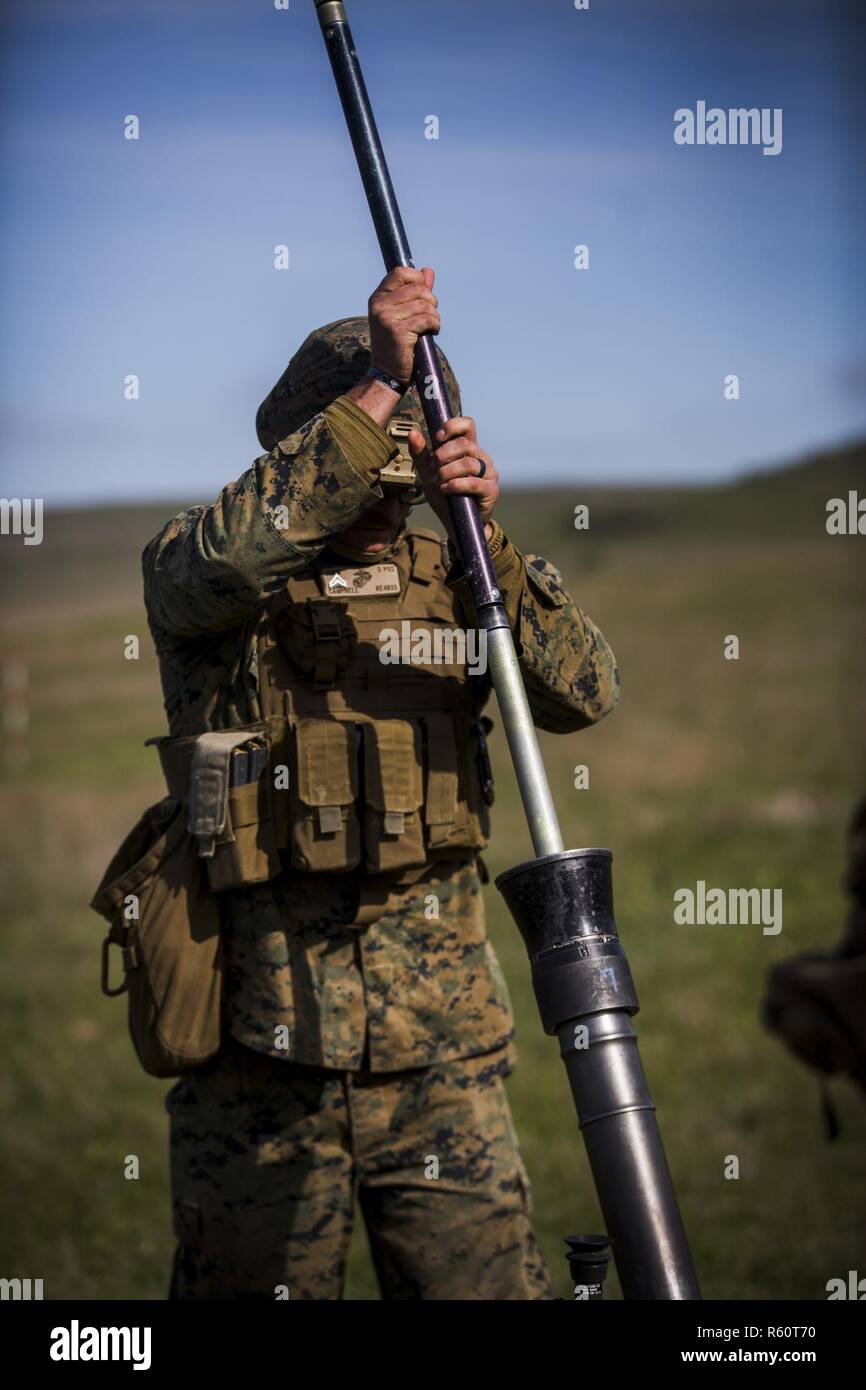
(327,635)
(325,619)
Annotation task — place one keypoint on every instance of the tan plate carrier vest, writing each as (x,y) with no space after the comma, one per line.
(372,767)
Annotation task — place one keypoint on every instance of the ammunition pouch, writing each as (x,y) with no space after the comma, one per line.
(231,825)
(380,795)
(325,835)
(393,796)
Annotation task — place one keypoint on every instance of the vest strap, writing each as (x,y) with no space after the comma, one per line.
(327,630)
(426,556)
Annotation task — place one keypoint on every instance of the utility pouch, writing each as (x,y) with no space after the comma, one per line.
(317,637)
(459,780)
(546,587)
(230,809)
(250,855)
(325,831)
(393,794)
(155,897)
(440,810)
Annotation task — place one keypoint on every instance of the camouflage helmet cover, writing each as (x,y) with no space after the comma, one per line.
(327,364)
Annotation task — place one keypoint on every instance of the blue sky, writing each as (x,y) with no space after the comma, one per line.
(155,257)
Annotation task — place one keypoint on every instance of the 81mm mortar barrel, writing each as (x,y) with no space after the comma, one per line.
(562,901)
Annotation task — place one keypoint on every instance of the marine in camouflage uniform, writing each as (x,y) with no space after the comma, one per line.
(366,1037)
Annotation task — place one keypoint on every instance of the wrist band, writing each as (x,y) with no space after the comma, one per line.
(376,374)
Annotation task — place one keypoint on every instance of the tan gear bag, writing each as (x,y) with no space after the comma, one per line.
(156,897)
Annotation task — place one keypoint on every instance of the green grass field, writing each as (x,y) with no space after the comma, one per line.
(741,773)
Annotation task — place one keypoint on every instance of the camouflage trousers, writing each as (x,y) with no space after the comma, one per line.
(269,1156)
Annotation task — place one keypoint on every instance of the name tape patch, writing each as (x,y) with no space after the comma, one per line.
(361,583)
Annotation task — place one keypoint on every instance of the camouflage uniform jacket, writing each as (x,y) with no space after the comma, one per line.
(346,998)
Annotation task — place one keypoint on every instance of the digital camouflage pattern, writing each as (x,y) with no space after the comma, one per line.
(327,364)
(267,1158)
(397,1034)
(419,985)
(207,576)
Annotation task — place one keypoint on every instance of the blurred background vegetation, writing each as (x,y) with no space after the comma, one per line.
(741,773)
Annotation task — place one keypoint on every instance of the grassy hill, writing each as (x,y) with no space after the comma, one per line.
(741,773)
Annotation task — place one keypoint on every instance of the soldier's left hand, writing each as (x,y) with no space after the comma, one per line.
(458,466)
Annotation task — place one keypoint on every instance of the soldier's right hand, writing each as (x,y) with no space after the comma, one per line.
(400,310)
